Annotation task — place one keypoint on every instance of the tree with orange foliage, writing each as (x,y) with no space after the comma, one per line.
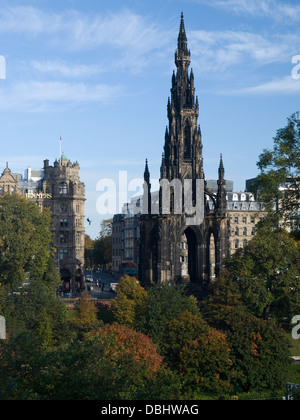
(123,344)
(205,363)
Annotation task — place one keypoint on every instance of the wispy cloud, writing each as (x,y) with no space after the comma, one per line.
(216,51)
(271,8)
(124,30)
(60,68)
(42,96)
(284,86)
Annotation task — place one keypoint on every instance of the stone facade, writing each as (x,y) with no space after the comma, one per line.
(162,257)
(58,188)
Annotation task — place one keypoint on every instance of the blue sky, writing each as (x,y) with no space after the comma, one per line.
(99,72)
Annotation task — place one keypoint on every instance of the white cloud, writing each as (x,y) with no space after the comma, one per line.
(271,8)
(78,31)
(41,96)
(132,38)
(215,51)
(284,86)
(64,69)
(28,20)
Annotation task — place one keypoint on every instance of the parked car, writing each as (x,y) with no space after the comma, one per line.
(88,279)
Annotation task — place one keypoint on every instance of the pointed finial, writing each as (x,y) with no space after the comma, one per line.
(182,39)
(221,168)
(146,173)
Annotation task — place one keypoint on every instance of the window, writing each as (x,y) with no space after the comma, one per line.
(63,208)
(236,220)
(237,244)
(253,220)
(64,237)
(63,188)
(245,243)
(63,253)
(245,220)
(245,232)
(237,231)
(64,222)
(253,231)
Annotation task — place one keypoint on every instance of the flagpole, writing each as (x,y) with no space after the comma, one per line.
(60,150)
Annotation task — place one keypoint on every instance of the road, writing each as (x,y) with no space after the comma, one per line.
(101,284)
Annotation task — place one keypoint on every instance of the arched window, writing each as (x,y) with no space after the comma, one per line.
(187,141)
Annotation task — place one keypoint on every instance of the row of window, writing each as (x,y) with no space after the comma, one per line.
(245,220)
(238,231)
(64,222)
(65,236)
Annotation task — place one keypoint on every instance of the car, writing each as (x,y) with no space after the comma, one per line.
(113,287)
(89,279)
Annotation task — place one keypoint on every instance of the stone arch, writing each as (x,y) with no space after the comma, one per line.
(191,252)
(66,279)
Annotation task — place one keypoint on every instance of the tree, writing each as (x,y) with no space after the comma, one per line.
(86,313)
(103,245)
(281,167)
(259,352)
(205,363)
(130,303)
(267,273)
(88,251)
(25,309)
(25,240)
(177,333)
(165,302)
(224,297)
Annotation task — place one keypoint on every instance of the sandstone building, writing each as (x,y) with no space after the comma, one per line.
(59,188)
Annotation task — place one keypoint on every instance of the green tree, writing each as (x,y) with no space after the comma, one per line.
(205,363)
(165,302)
(88,251)
(45,337)
(129,306)
(279,166)
(259,352)
(267,273)
(102,254)
(112,363)
(25,240)
(25,309)
(86,313)
(177,333)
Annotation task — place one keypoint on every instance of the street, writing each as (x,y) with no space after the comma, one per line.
(100,287)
